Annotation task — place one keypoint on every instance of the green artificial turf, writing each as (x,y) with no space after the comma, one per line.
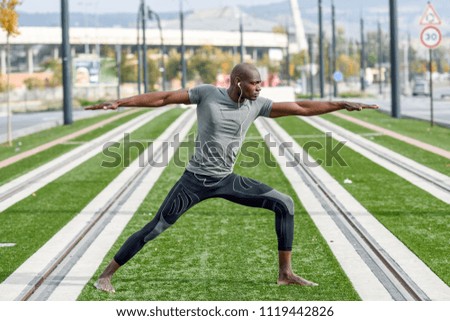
(418,129)
(418,219)
(222,251)
(429,159)
(25,165)
(33,221)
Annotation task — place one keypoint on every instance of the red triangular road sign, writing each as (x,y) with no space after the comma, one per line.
(430,16)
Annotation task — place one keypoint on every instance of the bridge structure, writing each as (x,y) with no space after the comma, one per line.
(32,40)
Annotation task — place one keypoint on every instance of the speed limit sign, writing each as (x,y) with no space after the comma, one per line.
(431,37)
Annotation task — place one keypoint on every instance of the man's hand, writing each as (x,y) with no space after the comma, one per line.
(105,106)
(350,106)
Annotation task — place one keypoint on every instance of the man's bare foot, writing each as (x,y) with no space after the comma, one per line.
(104,284)
(294,279)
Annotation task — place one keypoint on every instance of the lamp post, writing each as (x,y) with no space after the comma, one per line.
(67,63)
(138,47)
(144,46)
(152,14)
(321,57)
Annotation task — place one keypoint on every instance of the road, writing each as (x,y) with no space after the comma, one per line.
(28,123)
(415,106)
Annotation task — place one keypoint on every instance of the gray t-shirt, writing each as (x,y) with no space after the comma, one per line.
(222,127)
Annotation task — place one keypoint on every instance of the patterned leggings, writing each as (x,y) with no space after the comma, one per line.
(193,188)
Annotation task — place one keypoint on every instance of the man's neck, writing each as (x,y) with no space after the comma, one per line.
(234,96)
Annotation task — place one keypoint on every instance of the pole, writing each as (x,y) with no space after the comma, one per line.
(431,89)
(144,46)
(183,49)
(333,26)
(321,69)
(67,64)
(152,14)
(395,95)
(330,72)
(8,94)
(288,57)
(163,67)
(118,64)
(380,52)
(138,47)
(363,58)
(311,63)
(241,31)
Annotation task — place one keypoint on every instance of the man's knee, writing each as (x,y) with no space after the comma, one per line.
(160,227)
(282,200)
(288,202)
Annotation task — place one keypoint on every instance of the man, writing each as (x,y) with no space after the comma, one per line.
(224,116)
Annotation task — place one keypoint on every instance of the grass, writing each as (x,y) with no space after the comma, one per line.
(25,165)
(418,129)
(436,162)
(33,221)
(414,216)
(222,251)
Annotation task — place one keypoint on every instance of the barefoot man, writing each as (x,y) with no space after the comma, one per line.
(224,116)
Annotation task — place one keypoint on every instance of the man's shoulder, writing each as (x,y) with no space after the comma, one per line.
(206,88)
(204,91)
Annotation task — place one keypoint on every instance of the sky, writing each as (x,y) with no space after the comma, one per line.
(114,6)
(348,12)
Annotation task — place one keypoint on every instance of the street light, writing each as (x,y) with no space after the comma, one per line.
(151,15)
(66,61)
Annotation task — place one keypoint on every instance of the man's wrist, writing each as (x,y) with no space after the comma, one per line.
(340,105)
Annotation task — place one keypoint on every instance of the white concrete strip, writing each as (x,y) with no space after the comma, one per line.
(64,162)
(74,282)
(420,273)
(21,278)
(371,151)
(365,282)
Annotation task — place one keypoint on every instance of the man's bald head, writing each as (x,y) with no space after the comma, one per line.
(243,71)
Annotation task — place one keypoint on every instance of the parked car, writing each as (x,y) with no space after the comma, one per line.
(421,88)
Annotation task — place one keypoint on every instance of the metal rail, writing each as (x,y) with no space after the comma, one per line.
(81,242)
(82,151)
(410,169)
(399,285)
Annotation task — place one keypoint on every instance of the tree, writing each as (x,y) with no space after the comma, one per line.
(55,66)
(9,23)
(128,68)
(205,64)
(153,71)
(348,66)
(173,65)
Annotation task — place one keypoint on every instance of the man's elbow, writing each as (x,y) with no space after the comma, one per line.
(300,111)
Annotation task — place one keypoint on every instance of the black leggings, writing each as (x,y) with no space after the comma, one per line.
(193,188)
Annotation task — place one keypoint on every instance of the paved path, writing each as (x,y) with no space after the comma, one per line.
(406,139)
(63,139)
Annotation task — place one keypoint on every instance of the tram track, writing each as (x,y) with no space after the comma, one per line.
(429,180)
(129,190)
(23,186)
(387,266)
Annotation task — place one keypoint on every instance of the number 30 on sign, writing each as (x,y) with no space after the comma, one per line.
(431,37)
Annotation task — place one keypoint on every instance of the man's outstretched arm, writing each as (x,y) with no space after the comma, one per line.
(311,108)
(153,99)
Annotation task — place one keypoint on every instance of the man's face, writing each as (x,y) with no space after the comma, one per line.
(251,85)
